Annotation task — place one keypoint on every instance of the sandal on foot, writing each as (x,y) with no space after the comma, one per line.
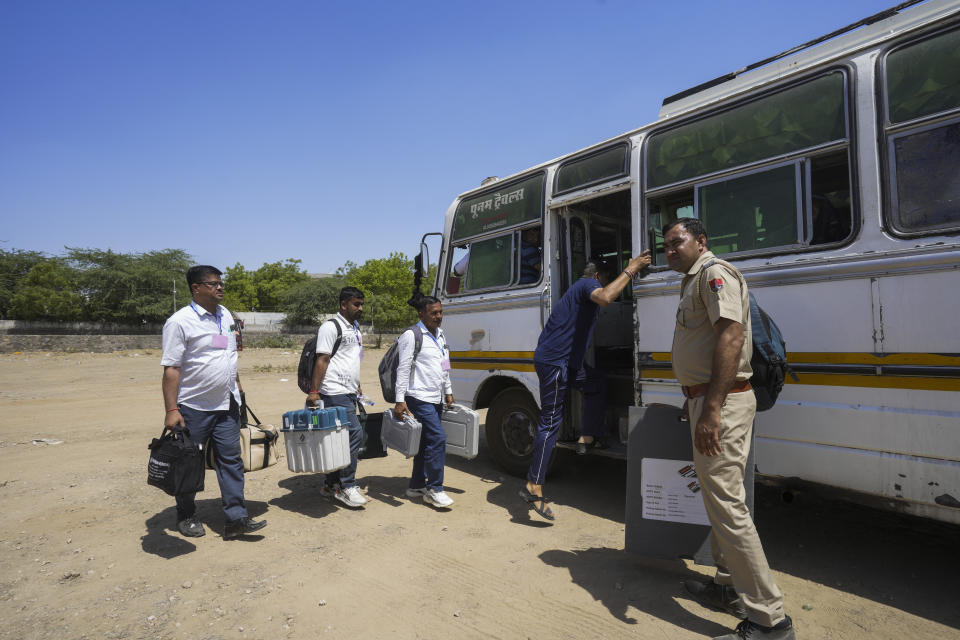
(539,503)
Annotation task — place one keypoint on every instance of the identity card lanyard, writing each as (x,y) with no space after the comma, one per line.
(218,341)
(356,330)
(445,361)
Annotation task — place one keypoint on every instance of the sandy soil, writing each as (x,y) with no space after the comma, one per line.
(88,550)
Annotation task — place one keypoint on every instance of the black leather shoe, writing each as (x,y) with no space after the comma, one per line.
(753,631)
(241,527)
(716,596)
(191,527)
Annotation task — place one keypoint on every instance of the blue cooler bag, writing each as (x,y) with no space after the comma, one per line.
(317,440)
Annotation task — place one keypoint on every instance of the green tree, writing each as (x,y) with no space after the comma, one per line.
(263,289)
(305,302)
(14,267)
(241,290)
(273,278)
(131,288)
(48,292)
(387,284)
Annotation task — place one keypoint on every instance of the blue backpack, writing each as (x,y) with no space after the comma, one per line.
(769,360)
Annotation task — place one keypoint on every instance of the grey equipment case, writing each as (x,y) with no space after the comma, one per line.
(401,435)
(462,427)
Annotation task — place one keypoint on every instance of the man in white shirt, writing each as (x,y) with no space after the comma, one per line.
(423,385)
(201,392)
(336,381)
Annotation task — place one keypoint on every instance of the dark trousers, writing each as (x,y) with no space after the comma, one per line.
(346,477)
(429,462)
(554,382)
(223,428)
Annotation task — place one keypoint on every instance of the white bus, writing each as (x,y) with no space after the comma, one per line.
(830,176)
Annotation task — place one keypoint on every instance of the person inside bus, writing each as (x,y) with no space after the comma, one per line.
(828,224)
(558,361)
(531,255)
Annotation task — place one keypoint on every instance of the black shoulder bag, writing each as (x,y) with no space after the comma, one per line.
(176,463)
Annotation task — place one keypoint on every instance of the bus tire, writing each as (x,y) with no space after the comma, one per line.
(511,429)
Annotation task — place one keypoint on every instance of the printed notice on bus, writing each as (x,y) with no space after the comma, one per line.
(671,491)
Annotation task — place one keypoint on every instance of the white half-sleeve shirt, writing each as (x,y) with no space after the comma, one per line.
(204,347)
(343,372)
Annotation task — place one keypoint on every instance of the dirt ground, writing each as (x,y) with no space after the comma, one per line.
(89,550)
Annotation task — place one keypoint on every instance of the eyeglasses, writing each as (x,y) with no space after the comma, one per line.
(213,284)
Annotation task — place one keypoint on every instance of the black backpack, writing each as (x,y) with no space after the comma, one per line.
(308,358)
(388,364)
(769,360)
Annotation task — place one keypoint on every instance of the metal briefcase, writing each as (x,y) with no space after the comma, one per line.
(401,435)
(462,427)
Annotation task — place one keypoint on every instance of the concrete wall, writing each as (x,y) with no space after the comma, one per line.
(60,343)
(41,327)
(108,343)
(253,323)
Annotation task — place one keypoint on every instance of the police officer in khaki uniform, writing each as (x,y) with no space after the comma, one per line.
(711,358)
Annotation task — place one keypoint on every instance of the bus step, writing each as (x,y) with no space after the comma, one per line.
(616,450)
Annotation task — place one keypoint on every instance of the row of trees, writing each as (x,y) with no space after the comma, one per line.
(92,285)
(133,288)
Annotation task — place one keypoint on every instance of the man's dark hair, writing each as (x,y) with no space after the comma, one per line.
(597,265)
(349,293)
(693,226)
(198,273)
(424,301)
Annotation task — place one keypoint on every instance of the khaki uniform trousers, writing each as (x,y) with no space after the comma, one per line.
(733,537)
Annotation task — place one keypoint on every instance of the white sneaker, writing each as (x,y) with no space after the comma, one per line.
(351,497)
(437,498)
(416,493)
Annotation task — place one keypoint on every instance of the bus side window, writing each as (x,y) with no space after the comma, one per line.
(491,263)
(531,255)
(830,211)
(458,268)
(664,211)
(482,264)
(922,128)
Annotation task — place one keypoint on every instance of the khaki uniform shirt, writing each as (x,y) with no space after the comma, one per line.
(722,294)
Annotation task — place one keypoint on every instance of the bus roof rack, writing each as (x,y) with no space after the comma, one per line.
(733,74)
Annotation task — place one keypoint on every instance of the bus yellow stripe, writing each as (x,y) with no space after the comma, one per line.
(508,366)
(492,354)
(848,380)
(495,360)
(873,359)
(813,357)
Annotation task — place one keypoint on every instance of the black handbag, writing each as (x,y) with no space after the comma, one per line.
(371,446)
(176,463)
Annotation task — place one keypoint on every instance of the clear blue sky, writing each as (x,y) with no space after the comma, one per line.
(252,132)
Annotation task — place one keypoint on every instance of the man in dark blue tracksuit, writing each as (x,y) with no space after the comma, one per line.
(559,364)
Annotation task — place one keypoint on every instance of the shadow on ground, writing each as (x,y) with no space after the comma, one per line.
(902,561)
(619,582)
(303,496)
(162,538)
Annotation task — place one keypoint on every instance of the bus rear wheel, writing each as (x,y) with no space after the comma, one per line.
(511,429)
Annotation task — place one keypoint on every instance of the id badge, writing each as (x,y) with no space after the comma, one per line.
(218,341)
(445,364)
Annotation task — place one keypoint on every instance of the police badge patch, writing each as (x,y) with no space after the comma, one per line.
(716,284)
